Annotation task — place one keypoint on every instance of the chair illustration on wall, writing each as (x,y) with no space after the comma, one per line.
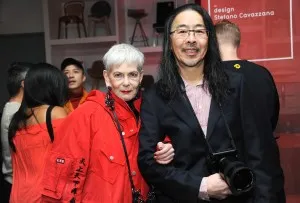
(73,14)
(100,12)
(163,11)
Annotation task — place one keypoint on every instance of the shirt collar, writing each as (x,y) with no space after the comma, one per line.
(187,85)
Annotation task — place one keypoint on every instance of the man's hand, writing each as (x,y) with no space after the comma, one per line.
(217,187)
(164,153)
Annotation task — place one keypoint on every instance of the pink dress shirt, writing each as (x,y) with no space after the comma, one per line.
(200,99)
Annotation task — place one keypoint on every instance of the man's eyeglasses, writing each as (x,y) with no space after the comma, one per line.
(184,33)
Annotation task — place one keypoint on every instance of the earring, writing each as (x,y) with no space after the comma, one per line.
(109,101)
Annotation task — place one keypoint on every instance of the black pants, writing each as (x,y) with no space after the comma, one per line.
(6,191)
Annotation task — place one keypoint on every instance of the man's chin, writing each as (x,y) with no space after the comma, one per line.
(74,87)
(193,64)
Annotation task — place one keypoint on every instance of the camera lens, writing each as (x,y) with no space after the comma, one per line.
(239,177)
(242,179)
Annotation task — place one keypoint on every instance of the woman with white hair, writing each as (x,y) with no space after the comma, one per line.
(96,159)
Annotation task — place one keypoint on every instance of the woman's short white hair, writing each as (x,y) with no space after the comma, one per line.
(123,53)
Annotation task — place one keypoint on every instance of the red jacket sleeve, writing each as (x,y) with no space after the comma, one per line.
(68,160)
(167,140)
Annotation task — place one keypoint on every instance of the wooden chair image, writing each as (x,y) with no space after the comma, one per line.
(73,14)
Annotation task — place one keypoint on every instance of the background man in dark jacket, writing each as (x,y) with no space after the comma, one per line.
(259,79)
(260,83)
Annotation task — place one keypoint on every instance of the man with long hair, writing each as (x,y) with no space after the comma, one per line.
(208,115)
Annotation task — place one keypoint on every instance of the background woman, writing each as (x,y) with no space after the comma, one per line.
(44,86)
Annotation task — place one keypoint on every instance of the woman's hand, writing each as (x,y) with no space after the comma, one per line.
(164,153)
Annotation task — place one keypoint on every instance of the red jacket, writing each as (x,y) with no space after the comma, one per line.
(88,162)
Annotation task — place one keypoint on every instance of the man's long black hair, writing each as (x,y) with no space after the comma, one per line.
(214,74)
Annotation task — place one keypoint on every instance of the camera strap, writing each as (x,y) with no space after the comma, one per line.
(227,127)
(124,148)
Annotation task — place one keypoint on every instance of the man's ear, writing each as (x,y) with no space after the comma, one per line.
(22,83)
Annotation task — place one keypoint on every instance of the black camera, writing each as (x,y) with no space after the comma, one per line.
(237,175)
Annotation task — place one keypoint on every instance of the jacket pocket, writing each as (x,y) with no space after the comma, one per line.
(111,162)
(56,174)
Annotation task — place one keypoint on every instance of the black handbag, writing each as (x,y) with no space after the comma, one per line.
(136,194)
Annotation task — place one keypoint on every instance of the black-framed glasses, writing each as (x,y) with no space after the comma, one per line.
(184,33)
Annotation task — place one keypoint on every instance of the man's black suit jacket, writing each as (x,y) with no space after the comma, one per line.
(180,180)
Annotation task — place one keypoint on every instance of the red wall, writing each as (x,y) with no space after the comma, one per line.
(268,39)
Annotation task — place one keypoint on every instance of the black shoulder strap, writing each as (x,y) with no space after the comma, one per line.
(49,123)
(110,104)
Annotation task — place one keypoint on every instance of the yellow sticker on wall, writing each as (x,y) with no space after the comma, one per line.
(237,66)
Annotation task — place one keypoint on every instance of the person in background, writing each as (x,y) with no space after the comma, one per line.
(30,138)
(260,83)
(90,164)
(15,87)
(208,114)
(74,71)
(258,77)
